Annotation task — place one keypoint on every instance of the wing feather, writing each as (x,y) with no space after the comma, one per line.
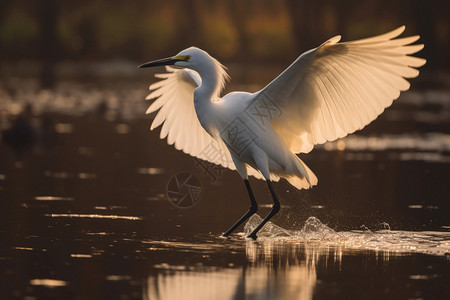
(176,115)
(338,88)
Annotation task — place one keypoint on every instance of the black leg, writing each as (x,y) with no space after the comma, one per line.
(253,208)
(275,209)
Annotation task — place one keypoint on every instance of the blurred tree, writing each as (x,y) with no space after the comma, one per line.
(232,29)
(218,35)
(188,26)
(4,7)
(49,46)
(421,12)
(269,32)
(238,11)
(306,22)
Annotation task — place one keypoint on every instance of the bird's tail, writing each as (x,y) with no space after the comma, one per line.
(305,179)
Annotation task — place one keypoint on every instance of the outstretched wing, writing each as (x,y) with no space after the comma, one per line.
(179,120)
(338,88)
(174,100)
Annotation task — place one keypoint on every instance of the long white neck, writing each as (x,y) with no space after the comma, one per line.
(213,78)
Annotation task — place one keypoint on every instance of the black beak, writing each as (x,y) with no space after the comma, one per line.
(160,62)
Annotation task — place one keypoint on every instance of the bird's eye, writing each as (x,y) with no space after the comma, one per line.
(188,57)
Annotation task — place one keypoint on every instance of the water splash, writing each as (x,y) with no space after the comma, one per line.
(269,230)
(314,231)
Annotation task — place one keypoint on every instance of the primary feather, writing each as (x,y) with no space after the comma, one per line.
(176,113)
(327,93)
(338,88)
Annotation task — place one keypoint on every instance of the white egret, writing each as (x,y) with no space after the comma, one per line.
(325,94)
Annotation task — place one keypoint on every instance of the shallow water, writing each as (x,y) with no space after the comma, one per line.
(84,211)
(389,241)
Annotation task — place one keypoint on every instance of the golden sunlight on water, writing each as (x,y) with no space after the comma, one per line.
(83,193)
(284,264)
(94,216)
(386,240)
(274,272)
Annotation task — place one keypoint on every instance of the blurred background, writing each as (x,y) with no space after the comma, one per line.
(72,98)
(83,206)
(40,34)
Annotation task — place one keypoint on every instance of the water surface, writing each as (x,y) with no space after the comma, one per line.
(84,212)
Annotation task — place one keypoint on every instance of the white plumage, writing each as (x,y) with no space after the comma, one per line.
(327,93)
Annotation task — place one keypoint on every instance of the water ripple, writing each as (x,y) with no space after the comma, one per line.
(94,216)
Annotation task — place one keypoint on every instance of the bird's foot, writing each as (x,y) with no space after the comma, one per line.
(252,236)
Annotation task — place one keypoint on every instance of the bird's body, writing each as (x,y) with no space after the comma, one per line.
(249,142)
(327,93)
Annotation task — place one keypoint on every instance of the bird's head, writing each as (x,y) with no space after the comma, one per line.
(188,58)
(198,60)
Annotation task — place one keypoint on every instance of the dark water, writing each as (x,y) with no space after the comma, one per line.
(84,212)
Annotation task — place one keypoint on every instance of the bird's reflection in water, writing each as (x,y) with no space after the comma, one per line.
(273,270)
(288,264)
(281,270)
